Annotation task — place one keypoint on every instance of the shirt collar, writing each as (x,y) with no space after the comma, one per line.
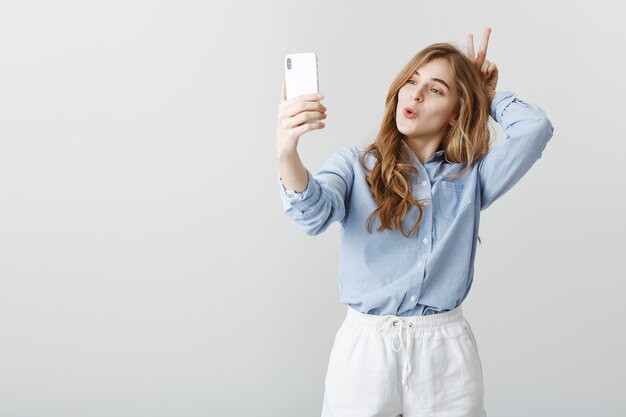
(439,154)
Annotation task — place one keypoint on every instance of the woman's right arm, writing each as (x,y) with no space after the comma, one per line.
(313,202)
(291,123)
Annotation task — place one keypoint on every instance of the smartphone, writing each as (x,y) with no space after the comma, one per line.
(301,76)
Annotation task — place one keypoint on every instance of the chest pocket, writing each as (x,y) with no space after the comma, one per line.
(452,198)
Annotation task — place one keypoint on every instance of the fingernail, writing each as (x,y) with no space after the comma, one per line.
(320,95)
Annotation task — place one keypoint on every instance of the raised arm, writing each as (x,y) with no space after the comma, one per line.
(296,117)
(528,130)
(527,127)
(312,201)
(326,196)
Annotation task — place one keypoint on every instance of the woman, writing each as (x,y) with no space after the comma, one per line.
(405,347)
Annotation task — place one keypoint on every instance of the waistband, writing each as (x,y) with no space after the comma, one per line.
(400,326)
(355,317)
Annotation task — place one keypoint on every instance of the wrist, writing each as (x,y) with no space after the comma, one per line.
(287,153)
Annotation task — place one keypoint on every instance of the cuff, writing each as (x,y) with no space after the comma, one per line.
(294,197)
(500,101)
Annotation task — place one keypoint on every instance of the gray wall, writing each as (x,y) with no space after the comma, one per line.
(147,268)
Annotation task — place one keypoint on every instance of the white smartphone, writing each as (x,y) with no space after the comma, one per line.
(301,76)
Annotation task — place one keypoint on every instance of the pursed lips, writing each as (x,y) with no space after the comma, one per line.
(409,113)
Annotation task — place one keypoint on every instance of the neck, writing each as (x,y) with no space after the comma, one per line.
(423,150)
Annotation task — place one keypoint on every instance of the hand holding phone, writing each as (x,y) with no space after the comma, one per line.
(301,75)
(300,109)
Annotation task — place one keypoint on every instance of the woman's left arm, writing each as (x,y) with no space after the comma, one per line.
(528,131)
(527,127)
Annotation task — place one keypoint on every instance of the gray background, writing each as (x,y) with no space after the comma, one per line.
(147,268)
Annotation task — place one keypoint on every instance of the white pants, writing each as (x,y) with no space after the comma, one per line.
(418,366)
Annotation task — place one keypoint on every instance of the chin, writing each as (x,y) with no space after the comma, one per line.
(401,130)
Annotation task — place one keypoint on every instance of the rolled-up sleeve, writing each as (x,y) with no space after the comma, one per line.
(325,198)
(528,131)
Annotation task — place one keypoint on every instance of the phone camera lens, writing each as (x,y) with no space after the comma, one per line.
(288,63)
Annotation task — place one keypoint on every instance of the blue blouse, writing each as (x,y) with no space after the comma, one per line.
(387,273)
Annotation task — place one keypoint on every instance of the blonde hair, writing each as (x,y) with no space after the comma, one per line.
(465,141)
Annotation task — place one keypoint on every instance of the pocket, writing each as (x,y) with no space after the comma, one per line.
(452,198)
(469,335)
(471,340)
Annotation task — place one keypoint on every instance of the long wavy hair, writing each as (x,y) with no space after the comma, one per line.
(465,141)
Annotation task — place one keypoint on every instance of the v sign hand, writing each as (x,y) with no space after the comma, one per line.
(488,70)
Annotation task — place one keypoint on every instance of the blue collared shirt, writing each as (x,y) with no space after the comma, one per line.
(387,273)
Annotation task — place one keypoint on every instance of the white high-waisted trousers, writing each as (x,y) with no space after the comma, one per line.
(417,366)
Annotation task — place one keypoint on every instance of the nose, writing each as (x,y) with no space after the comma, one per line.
(417,92)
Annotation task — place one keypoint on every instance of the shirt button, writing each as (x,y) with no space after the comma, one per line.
(425,241)
(419,264)
(413,298)
(423,182)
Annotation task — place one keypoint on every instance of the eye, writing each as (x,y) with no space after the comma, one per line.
(410,81)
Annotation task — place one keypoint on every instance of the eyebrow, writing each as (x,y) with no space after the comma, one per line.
(436,79)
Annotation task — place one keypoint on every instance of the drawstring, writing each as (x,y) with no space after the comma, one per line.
(401,326)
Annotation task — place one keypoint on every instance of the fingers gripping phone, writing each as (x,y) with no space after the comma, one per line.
(301,75)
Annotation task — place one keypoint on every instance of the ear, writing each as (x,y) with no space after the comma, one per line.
(454,119)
